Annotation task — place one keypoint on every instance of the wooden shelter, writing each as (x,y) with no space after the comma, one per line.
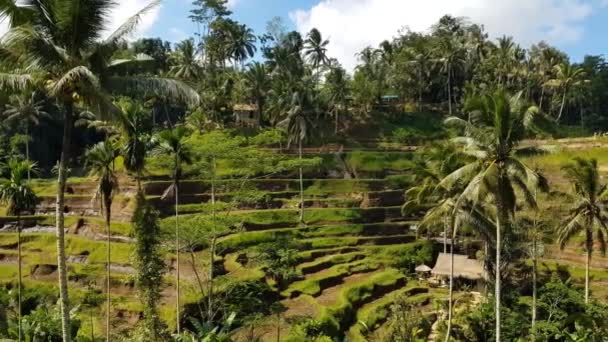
(246,115)
(466,271)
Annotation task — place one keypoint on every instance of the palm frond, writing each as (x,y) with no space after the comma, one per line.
(131,24)
(139,86)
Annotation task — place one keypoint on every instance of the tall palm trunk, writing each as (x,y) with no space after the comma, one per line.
(589,246)
(497,282)
(212,249)
(450,89)
(336,123)
(177,249)
(19,300)
(534,289)
(27,150)
(108,215)
(451,290)
(542,98)
(502,219)
(561,109)
(446,223)
(420,89)
(301,183)
(59,215)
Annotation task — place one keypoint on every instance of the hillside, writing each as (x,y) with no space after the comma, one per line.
(355,250)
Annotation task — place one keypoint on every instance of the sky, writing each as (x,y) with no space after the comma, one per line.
(575,26)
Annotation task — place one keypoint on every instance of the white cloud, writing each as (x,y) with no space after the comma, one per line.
(352,25)
(232,3)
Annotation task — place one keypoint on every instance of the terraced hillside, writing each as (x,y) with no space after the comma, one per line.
(354,252)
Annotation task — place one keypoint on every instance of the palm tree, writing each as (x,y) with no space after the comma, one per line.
(497,124)
(172,142)
(298,127)
(258,85)
(100,160)
(135,129)
(59,43)
(184,63)
(18,197)
(567,77)
(589,213)
(241,43)
(450,57)
(316,50)
(337,87)
(28,111)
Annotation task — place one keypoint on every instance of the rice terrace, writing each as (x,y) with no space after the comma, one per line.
(248,171)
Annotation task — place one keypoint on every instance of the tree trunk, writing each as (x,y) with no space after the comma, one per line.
(534,290)
(445,235)
(59,215)
(19,300)
(212,248)
(301,183)
(420,89)
(497,284)
(177,249)
(561,110)
(450,90)
(108,214)
(27,150)
(542,97)
(278,326)
(337,117)
(451,290)
(587,262)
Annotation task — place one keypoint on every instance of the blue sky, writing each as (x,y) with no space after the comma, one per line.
(576,26)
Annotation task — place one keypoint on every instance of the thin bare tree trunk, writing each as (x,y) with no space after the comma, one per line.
(108,214)
(587,262)
(497,284)
(534,290)
(27,150)
(450,90)
(301,183)
(451,291)
(59,215)
(212,248)
(542,97)
(561,110)
(19,300)
(177,250)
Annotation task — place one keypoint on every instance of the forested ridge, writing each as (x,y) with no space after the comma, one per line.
(244,186)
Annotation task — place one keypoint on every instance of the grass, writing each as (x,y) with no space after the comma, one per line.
(314,285)
(376,312)
(343,313)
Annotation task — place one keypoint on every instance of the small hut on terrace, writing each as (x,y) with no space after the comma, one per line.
(466,271)
(246,115)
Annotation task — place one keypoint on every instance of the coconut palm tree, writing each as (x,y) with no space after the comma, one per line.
(337,88)
(60,45)
(298,126)
(100,159)
(567,77)
(589,215)
(497,123)
(258,83)
(18,197)
(450,57)
(184,63)
(27,110)
(172,143)
(241,43)
(315,49)
(134,124)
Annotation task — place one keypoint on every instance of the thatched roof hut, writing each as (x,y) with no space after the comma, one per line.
(423,269)
(463,267)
